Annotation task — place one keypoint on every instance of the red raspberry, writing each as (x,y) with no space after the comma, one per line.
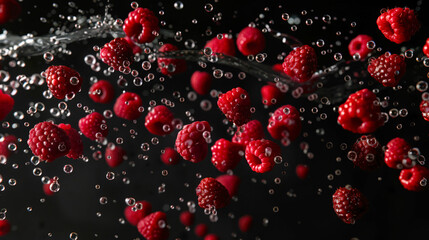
(248,132)
(396,154)
(366,153)
(398,24)
(358,45)
(250,41)
(349,204)
(212,193)
(76,145)
(211,236)
(426,48)
(94,126)
(63,81)
(170,66)
(245,223)
(226,155)
(102,92)
(360,113)
(4,227)
(271,95)
(48,141)
(300,64)
(415,178)
(170,156)
(114,155)
(141,25)
(260,155)
(4,145)
(201,230)
(135,47)
(424,108)
(301,171)
(154,226)
(278,67)
(117,54)
(128,106)
(201,82)
(191,141)
(187,218)
(388,69)
(9,10)
(230,182)
(6,104)
(159,121)
(225,44)
(142,209)
(47,188)
(285,124)
(235,104)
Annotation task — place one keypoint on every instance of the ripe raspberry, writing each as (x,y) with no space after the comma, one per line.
(142,209)
(223,43)
(396,154)
(226,155)
(201,230)
(349,204)
(201,82)
(245,223)
(135,47)
(248,132)
(48,141)
(358,45)
(170,156)
(424,108)
(415,178)
(426,48)
(278,67)
(285,124)
(9,10)
(114,155)
(128,106)
(170,66)
(360,113)
(159,121)
(211,236)
(117,54)
(388,69)
(212,193)
(102,92)
(271,95)
(4,227)
(398,24)
(63,81)
(260,155)
(300,64)
(366,153)
(141,25)
(301,171)
(6,104)
(94,126)
(76,145)
(250,41)
(154,226)
(191,141)
(47,188)
(230,182)
(235,104)
(4,145)
(187,218)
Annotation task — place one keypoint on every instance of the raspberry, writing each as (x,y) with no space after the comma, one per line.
(415,178)
(6,104)
(278,67)
(135,47)
(114,155)
(426,48)
(76,145)
(396,154)
(226,155)
(260,155)
(201,230)
(47,141)
(94,126)
(360,113)
(301,171)
(271,95)
(128,106)
(4,227)
(285,124)
(201,82)
(170,66)
(388,69)
(398,24)
(154,226)
(223,43)
(142,209)
(191,141)
(366,153)
(211,236)
(4,145)
(159,121)
(358,45)
(187,218)
(47,188)
(170,156)
(250,41)
(230,182)
(235,104)
(245,223)
(300,64)
(349,204)
(102,92)
(63,81)
(248,132)
(212,193)
(424,108)
(141,25)
(9,10)
(117,54)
